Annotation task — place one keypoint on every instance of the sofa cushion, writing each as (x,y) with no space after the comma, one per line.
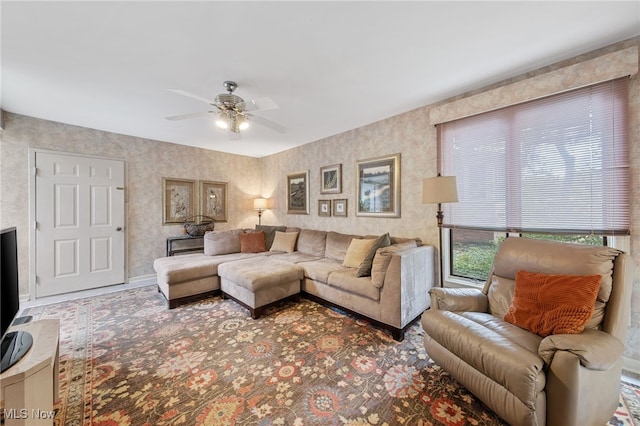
(552,304)
(259,274)
(319,270)
(312,242)
(382,259)
(270,233)
(188,267)
(337,245)
(222,242)
(252,242)
(347,280)
(364,270)
(357,251)
(284,241)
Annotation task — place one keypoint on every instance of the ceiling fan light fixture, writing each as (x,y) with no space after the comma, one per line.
(222,121)
(243,123)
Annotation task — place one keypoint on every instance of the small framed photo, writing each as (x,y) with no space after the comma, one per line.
(213,200)
(378,187)
(298,193)
(340,207)
(178,200)
(331,179)
(324,208)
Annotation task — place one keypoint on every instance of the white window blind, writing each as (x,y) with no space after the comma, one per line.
(557,164)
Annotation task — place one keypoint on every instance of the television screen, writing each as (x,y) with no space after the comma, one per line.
(14,345)
(9,293)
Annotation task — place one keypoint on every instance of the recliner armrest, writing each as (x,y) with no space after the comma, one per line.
(459,299)
(596,349)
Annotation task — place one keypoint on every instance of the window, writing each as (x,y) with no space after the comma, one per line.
(553,166)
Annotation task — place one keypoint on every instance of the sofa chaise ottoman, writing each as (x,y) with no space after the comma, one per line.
(259,283)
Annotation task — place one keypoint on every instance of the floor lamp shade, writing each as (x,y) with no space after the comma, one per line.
(439,189)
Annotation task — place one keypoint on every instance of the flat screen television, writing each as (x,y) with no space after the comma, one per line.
(15,344)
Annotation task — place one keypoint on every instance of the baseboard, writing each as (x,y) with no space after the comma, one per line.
(134,282)
(631,365)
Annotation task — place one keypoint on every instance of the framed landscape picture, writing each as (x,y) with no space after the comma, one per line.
(213,200)
(378,187)
(331,179)
(178,199)
(298,193)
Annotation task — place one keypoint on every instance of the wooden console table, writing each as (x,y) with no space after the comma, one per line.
(183,244)
(30,387)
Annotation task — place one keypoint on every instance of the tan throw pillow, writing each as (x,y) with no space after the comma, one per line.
(364,270)
(553,304)
(284,241)
(252,242)
(357,251)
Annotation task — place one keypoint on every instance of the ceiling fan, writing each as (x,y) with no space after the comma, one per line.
(231,111)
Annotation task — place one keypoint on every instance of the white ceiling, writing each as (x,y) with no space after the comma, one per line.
(330,66)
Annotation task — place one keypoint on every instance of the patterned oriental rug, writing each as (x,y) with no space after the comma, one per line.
(126,359)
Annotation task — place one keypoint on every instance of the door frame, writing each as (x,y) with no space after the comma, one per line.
(32,212)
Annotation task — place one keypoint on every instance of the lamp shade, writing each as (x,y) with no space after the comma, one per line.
(259,203)
(439,189)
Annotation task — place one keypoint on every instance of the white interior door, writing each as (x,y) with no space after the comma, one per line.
(79,211)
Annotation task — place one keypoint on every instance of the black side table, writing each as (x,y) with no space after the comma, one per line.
(183,244)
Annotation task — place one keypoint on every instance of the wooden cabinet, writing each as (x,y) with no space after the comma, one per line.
(29,389)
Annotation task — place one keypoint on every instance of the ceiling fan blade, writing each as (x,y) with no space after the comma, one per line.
(261,104)
(191,115)
(267,123)
(190,95)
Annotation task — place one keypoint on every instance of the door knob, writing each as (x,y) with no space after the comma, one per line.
(119,228)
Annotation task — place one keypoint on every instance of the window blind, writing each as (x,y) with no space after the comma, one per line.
(556,164)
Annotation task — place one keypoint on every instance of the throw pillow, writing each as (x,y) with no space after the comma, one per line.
(252,242)
(553,304)
(222,242)
(357,251)
(382,259)
(364,270)
(270,233)
(284,241)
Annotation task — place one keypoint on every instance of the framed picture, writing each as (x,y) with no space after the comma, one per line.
(178,199)
(331,179)
(340,207)
(213,200)
(324,207)
(298,193)
(378,187)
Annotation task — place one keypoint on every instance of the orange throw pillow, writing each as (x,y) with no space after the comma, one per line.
(252,242)
(553,304)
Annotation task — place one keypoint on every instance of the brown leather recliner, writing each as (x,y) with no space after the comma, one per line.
(561,379)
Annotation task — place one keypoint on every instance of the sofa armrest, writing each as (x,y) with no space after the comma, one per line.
(408,278)
(596,349)
(459,299)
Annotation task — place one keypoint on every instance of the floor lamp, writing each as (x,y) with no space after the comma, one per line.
(439,190)
(260,204)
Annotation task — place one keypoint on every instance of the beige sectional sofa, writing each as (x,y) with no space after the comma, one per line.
(393,293)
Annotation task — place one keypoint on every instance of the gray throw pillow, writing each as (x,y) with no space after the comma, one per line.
(365,267)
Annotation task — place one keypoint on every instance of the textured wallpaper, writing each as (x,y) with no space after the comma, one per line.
(409,134)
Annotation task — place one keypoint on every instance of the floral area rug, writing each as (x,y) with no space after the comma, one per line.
(125,359)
